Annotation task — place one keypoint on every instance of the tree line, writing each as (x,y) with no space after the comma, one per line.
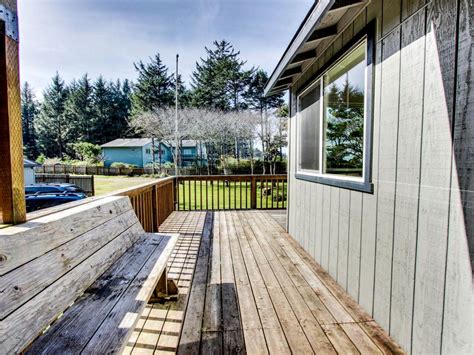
(81,111)
(224,92)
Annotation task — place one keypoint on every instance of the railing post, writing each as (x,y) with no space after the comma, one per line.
(176,193)
(155,213)
(253,193)
(93,185)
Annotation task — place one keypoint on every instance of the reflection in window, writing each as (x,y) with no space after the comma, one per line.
(309,122)
(344,87)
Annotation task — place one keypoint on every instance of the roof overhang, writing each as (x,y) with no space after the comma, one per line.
(324,22)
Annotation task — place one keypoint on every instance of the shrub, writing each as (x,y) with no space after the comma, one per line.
(121,165)
(88,152)
(52,161)
(41,159)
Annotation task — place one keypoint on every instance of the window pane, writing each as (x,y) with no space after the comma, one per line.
(344,87)
(309,118)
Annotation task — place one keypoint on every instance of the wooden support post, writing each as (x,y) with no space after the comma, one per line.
(12,190)
(166,289)
(155,208)
(253,193)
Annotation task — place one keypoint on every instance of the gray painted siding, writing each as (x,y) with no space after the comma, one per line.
(402,252)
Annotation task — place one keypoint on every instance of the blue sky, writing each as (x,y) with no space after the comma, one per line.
(106,37)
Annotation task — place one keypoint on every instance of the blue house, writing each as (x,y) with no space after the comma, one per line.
(138,151)
(192,152)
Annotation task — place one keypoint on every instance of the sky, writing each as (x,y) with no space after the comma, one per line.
(105,37)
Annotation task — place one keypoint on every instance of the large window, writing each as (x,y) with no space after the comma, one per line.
(332,119)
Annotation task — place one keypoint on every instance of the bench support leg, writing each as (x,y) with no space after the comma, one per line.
(165,288)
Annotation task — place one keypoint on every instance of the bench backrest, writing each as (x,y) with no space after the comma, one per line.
(47,263)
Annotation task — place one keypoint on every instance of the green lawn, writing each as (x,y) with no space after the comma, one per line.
(192,195)
(107,184)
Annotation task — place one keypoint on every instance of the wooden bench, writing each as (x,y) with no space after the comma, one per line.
(93,266)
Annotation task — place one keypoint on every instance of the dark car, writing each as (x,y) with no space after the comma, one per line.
(54,188)
(39,196)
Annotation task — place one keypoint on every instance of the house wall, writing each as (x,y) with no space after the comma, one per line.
(403,251)
(130,155)
(147,155)
(29,173)
(167,155)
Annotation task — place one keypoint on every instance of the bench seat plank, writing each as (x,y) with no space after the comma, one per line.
(103,318)
(27,322)
(26,281)
(22,243)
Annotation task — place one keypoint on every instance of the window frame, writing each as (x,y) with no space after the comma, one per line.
(363,183)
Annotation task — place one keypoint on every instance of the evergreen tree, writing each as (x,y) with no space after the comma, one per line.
(102,98)
(120,106)
(220,79)
(184,95)
(80,111)
(51,126)
(254,97)
(154,87)
(29,111)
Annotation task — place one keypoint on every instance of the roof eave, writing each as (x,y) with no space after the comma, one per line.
(305,30)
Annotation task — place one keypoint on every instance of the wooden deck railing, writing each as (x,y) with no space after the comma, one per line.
(153,202)
(197,193)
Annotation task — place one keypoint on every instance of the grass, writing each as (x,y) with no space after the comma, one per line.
(108,184)
(192,195)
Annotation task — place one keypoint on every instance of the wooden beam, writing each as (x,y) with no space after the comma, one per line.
(278,89)
(340,4)
(282,82)
(304,56)
(12,189)
(323,33)
(290,72)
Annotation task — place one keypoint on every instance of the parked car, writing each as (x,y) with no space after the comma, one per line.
(53,188)
(40,196)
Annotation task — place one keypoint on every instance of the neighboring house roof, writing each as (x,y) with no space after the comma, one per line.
(127,142)
(28,163)
(326,20)
(186,143)
(141,142)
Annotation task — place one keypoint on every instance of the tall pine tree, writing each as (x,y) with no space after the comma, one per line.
(52,128)
(103,108)
(120,107)
(154,86)
(29,111)
(80,111)
(220,79)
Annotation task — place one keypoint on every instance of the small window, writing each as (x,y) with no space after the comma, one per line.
(148,151)
(309,130)
(333,121)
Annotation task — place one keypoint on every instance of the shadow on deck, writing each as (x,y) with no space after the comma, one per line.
(247,286)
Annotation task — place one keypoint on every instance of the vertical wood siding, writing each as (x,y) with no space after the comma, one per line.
(403,252)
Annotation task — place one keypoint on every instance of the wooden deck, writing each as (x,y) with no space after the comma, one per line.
(254,290)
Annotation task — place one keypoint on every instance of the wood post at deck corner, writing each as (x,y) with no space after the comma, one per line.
(12,191)
(154,203)
(253,193)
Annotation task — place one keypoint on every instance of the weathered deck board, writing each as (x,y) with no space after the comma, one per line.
(255,291)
